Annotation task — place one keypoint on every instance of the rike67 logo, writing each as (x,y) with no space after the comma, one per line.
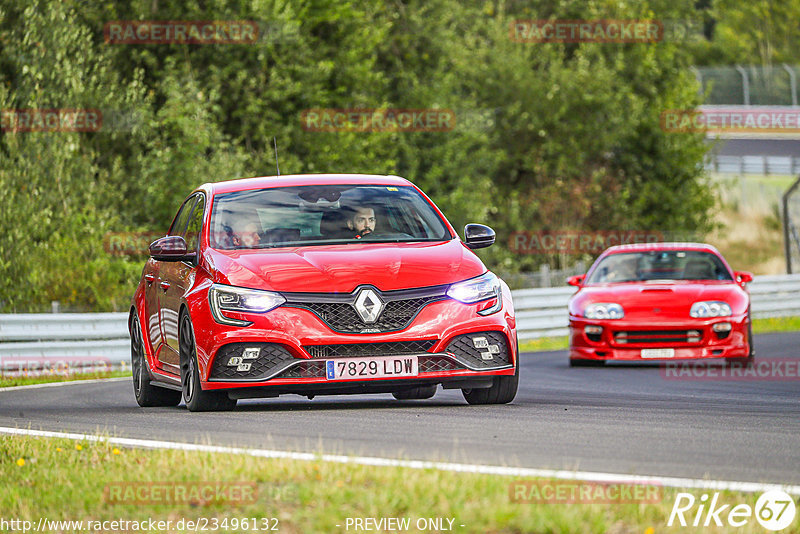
(774,510)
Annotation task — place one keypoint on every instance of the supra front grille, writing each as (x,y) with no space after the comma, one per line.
(309,369)
(249,361)
(338,311)
(369,349)
(480,350)
(633,337)
(432,364)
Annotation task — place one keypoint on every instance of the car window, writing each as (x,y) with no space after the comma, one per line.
(659,265)
(309,215)
(195,225)
(179,223)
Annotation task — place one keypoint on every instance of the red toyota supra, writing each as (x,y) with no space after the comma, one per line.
(660,301)
(318,284)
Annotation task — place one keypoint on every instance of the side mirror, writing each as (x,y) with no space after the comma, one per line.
(743,277)
(576,280)
(478,236)
(171,248)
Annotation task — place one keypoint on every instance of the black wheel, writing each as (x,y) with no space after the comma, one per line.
(416,393)
(575,362)
(751,353)
(146,394)
(503,390)
(195,398)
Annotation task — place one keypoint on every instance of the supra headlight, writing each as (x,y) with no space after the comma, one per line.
(710,308)
(604,310)
(240,299)
(483,287)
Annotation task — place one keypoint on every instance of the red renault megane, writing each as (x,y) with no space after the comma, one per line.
(660,301)
(318,284)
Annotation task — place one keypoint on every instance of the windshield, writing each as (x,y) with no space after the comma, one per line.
(659,265)
(309,215)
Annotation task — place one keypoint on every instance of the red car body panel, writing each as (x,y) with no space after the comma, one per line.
(168,288)
(657,315)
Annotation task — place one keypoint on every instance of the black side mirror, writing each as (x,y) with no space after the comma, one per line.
(478,236)
(171,248)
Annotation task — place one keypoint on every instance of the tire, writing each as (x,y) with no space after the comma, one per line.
(147,395)
(416,393)
(751,353)
(503,390)
(195,398)
(575,362)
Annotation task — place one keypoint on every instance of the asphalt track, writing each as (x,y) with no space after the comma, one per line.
(627,419)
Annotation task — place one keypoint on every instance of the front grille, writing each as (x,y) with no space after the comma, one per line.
(351,350)
(228,362)
(433,364)
(634,337)
(338,311)
(305,370)
(481,350)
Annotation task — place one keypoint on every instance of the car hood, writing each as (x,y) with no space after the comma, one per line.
(641,299)
(341,268)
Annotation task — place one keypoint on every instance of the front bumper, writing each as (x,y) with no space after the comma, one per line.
(624,340)
(297,342)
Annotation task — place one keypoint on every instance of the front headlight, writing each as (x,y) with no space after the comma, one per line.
(710,308)
(483,287)
(604,310)
(240,299)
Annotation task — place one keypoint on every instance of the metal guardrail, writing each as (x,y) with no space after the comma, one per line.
(32,341)
(766,165)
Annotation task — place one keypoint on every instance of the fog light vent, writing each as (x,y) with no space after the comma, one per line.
(693,336)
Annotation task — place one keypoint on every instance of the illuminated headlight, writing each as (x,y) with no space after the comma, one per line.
(483,287)
(240,299)
(604,310)
(712,308)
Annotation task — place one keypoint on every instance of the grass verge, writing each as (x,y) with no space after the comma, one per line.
(70,480)
(8,381)
(760,326)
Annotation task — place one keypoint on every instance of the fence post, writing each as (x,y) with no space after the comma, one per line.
(792,83)
(544,274)
(745,85)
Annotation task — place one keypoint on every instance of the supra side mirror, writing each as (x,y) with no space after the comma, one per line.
(171,248)
(743,277)
(576,280)
(478,236)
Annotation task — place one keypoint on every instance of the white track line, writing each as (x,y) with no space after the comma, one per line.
(65,383)
(688,483)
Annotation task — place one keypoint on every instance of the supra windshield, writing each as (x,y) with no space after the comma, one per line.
(659,265)
(308,215)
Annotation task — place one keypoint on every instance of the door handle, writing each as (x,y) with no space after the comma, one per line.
(164,285)
(149,278)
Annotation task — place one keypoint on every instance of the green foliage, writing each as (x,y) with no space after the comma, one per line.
(548,136)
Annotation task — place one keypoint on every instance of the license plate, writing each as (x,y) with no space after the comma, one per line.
(658,353)
(357,368)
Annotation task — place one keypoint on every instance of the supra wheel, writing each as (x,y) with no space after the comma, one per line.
(195,398)
(503,390)
(146,394)
(415,393)
(576,362)
(751,351)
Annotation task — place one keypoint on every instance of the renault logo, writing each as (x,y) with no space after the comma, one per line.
(368,305)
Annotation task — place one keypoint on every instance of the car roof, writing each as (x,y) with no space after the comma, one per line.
(650,247)
(289,180)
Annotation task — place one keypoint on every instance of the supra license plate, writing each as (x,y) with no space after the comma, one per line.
(356,368)
(658,353)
